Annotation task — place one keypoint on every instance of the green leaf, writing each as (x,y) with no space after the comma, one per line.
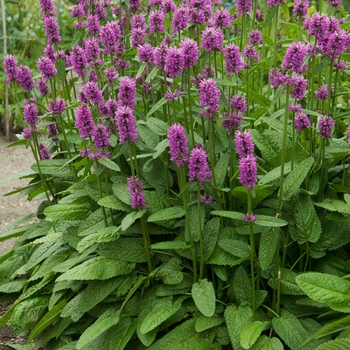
(148,338)
(334,205)
(171,272)
(287,281)
(163,309)
(307,224)
(270,221)
(182,337)
(221,169)
(296,177)
(167,214)
(266,343)
(170,245)
(159,104)
(336,344)
(210,237)
(269,240)
(327,289)
(67,211)
(76,38)
(113,202)
(140,71)
(332,327)
(60,65)
(242,287)
(228,214)
(107,234)
(290,329)
(56,167)
(131,218)
(236,319)
(235,247)
(94,222)
(151,75)
(108,319)
(158,126)
(275,174)
(195,222)
(125,249)
(98,268)
(203,323)
(47,320)
(322,65)
(122,192)
(109,164)
(260,193)
(203,295)
(251,332)
(122,334)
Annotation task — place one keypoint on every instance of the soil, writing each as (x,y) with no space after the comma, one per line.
(13,160)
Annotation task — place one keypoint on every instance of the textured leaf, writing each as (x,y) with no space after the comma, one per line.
(108,319)
(236,319)
(266,343)
(109,164)
(148,338)
(94,222)
(235,247)
(170,245)
(56,167)
(203,323)
(47,320)
(328,289)
(182,337)
(270,221)
(157,125)
(242,287)
(260,193)
(251,332)
(124,249)
(307,223)
(221,169)
(113,202)
(203,295)
(122,334)
(121,190)
(107,234)
(171,272)
(336,344)
(269,241)
(210,237)
(228,214)
(334,205)
(333,327)
(275,174)
(163,309)
(159,104)
(131,218)
(289,328)
(98,268)
(167,214)
(67,211)
(295,178)
(287,282)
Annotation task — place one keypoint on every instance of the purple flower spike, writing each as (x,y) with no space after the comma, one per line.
(244,144)
(93,23)
(222,18)
(127,92)
(78,60)
(212,39)
(191,52)
(159,56)
(111,74)
(43,87)
(301,121)
(239,103)
(30,114)
(51,29)
(10,65)
(24,78)
(44,152)
(27,133)
(156,21)
(233,59)
(110,35)
(248,172)
(111,107)
(255,37)
(174,62)
(295,56)
(249,218)
(198,166)
(244,6)
(180,20)
(322,92)
(300,8)
(334,3)
(137,195)
(92,92)
(126,123)
(57,107)
(47,68)
(233,121)
(137,36)
(325,126)
(177,144)
(274,2)
(209,97)
(101,136)
(47,7)
(299,88)
(145,52)
(135,5)
(84,121)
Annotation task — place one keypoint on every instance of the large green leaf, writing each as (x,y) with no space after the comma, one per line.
(98,268)
(242,287)
(130,218)
(236,319)
(159,104)
(336,344)
(203,295)
(221,169)
(288,285)
(163,309)
(269,240)
(333,327)
(56,167)
(113,202)
(290,329)
(122,333)
(251,332)
(167,214)
(235,247)
(334,205)
(327,289)
(108,319)
(210,237)
(203,323)
(266,343)
(307,224)
(275,174)
(295,178)
(67,211)
(109,164)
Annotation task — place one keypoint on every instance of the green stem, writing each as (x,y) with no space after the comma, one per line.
(252,247)
(201,242)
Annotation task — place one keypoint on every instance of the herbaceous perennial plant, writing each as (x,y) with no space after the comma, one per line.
(193,168)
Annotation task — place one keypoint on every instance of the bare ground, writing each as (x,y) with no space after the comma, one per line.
(13,160)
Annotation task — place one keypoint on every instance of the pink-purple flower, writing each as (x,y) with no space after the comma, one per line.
(198,166)
(244,144)
(177,144)
(233,59)
(57,107)
(301,121)
(47,68)
(248,171)
(136,192)
(30,114)
(127,92)
(84,121)
(325,126)
(190,51)
(174,62)
(209,97)
(126,123)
